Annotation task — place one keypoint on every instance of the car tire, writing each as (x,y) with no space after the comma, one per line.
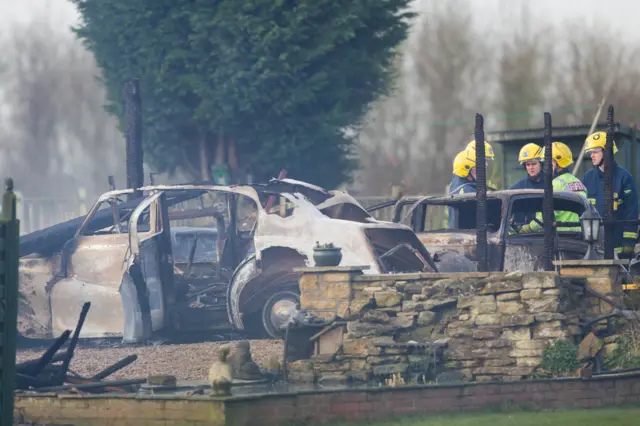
(284,299)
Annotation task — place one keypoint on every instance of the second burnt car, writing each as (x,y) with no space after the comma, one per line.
(507,210)
(201,257)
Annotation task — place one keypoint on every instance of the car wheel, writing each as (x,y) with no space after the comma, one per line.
(277,312)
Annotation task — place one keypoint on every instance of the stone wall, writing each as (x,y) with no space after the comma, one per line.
(483,326)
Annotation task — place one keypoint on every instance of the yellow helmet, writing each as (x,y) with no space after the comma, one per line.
(561,153)
(463,163)
(597,140)
(488,150)
(530,151)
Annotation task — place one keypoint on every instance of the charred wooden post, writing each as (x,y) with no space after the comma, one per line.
(9,294)
(133,136)
(481,196)
(547,202)
(608,187)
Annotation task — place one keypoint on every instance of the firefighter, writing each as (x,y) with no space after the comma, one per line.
(464,173)
(531,159)
(488,155)
(625,196)
(563,180)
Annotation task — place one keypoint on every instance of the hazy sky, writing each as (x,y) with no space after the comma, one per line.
(622,13)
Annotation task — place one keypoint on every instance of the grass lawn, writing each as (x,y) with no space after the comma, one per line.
(592,417)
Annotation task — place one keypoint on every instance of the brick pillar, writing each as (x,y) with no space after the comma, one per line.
(328,291)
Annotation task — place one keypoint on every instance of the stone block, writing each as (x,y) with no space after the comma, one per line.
(426,318)
(372,290)
(413,288)
(376,317)
(436,304)
(516,334)
(549,316)
(487,319)
(552,292)
(484,334)
(334,290)
(358,347)
(505,362)
(604,285)
(459,332)
(404,320)
(357,305)
(508,297)
(383,360)
(532,293)
(541,280)
(512,307)
(418,298)
(517,320)
(454,365)
(547,304)
(549,330)
(499,343)
(387,299)
(331,277)
(320,305)
(502,287)
(529,362)
(309,282)
(532,344)
(412,306)
(526,353)
(357,329)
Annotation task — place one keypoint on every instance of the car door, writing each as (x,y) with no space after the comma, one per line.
(151,250)
(91,270)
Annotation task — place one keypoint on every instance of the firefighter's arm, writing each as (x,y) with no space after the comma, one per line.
(629,198)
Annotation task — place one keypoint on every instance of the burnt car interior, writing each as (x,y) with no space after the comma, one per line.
(524,210)
(431,216)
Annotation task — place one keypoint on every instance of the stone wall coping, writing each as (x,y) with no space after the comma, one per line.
(426,275)
(317,269)
(338,389)
(597,262)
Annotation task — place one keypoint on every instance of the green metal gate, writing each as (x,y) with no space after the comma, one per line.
(9,258)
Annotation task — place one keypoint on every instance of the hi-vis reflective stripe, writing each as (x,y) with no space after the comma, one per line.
(630,286)
(592,200)
(633,235)
(617,250)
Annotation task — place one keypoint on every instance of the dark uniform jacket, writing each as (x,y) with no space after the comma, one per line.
(459,186)
(625,202)
(528,183)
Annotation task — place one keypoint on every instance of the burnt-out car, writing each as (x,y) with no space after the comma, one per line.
(200,257)
(507,211)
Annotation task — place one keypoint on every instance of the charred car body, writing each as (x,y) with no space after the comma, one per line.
(508,250)
(200,257)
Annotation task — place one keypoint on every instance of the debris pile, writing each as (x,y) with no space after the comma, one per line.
(493,327)
(51,373)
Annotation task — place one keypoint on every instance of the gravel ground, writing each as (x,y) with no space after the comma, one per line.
(186,361)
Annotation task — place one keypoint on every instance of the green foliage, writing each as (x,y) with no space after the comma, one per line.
(560,359)
(281,78)
(625,355)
